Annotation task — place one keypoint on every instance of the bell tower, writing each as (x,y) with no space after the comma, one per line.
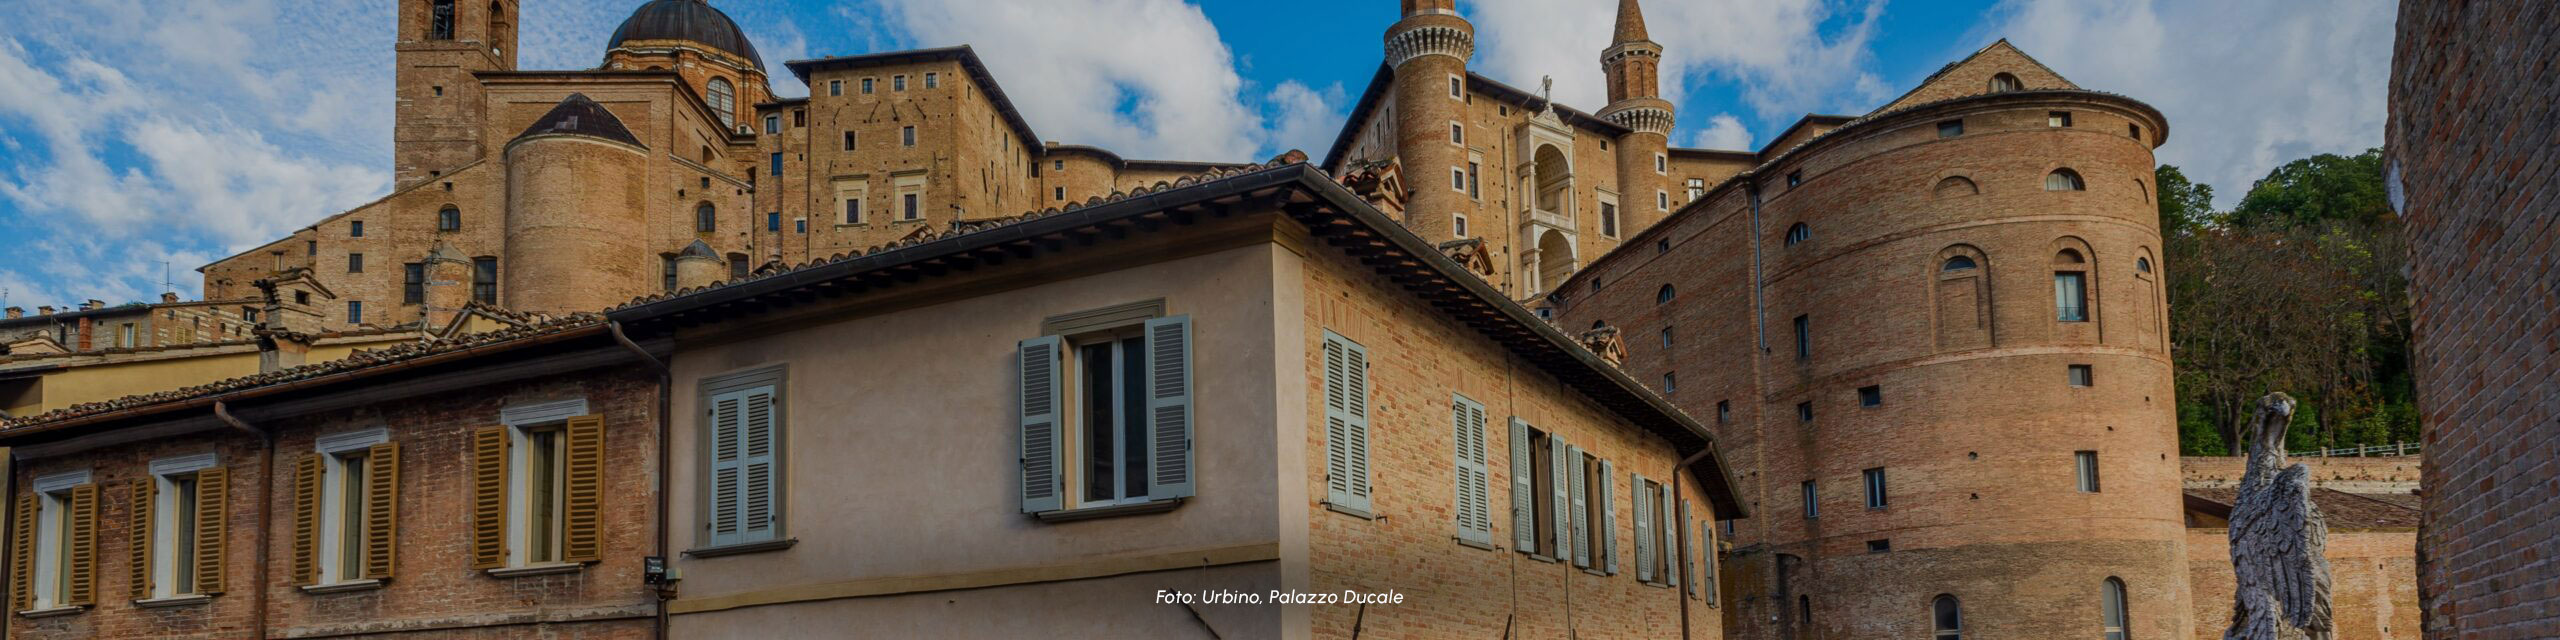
(437,123)
(1632,63)
(1428,50)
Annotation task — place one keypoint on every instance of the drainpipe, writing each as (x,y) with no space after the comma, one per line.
(1759,309)
(1680,536)
(266,505)
(666,379)
(12,518)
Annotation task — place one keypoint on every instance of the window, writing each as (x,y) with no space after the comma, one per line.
(413,283)
(853,210)
(774,161)
(835,87)
(355,228)
(1664,294)
(1804,338)
(1811,508)
(1474,475)
(2070,297)
(745,420)
(1609,219)
(2142,264)
(773,124)
(1057,165)
(1058,193)
(1457,133)
(1656,522)
(2133,130)
(439,92)
(1794,178)
(125,337)
(2004,83)
(799,225)
(1798,234)
(1666,337)
(311,248)
(1662,200)
(932,80)
(355,312)
(2085,470)
(907,136)
(1457,179)
(1594,514)
(666,273)
(898,82)
(1724,411)
(1950,128)
(62,547)
(1670,381)
(1804,411)
(449,219)
(355,263)
(1697,188)
(1661,163)
(2057,119)
(737,266)
(1661,246)
(484,280)
(440,21)
(705,218)
(773,221)
(866,86)
(2111,610)
(349,483)
(1458,224)
(1956,263)
(1871,396)
(2064,180)
(723,100)
(1474,169)
(536,482)
(1346,423)
(1457,89)
(799,118)
(1875,488)
(1947,618)
(182,528)
(910,207)
(1540,524)
(2080,375)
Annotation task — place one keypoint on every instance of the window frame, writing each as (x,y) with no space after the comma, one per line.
(2115,609)
(1812,497)
(342,502)
(484,280)
(449,218)
(1126,341)
(1879,497)
(708,390)
(52,553)
(2085,472)
(174,568)
(1942,610)
(523,436)
(1950,128)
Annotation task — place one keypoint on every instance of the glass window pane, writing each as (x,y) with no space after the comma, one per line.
(1099,479)
(1133,417)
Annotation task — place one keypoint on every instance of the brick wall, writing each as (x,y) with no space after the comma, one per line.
(2474,144)
(2373,590)
(2395,474)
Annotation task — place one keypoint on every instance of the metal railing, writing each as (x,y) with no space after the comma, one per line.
(2371,450)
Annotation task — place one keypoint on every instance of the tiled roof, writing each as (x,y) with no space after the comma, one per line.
(580,115)
(2344,511)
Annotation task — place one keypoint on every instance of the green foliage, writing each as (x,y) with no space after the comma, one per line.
(2321,188)
(2184,205)
(2197,435)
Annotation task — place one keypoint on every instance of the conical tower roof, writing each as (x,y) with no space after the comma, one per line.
(1630,23)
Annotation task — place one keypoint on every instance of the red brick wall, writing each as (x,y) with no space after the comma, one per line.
(2475,141)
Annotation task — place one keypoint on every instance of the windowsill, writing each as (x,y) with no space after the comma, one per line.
(1089,513)
(1595,572)
(741,549)
(853,225)
(1544,559)
(544,569)
(1363,514)
(367,584)
(1471,543)
(173,601)
(52,612)
(917,220)
(1657,585)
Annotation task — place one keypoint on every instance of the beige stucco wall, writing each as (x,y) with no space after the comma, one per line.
(2373,582)
(902,458)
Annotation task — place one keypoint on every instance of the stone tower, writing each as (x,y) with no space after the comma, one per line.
(575,208)
(440,111)
(1632,63)
(1429,49)
(448,286)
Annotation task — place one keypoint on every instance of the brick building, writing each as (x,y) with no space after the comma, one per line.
(2471,169)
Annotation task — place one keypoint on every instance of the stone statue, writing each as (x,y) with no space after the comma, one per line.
(2278,540)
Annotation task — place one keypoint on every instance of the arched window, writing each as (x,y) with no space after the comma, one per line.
(2142,265)
(449,219)
(705,218)
(440,21)
(2111,609)
(1599,324)
(2064,180)
(1946,618)
(1953,186)
(1958,263)
(1798,233)
(723,100)
(1663,295)
(2004,83)
(2070,286)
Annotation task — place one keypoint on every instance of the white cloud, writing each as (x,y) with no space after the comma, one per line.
(1722,132)
(1778,48)
(2246,86)
(1304,119)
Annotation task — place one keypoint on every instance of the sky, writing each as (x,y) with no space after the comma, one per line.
(140,139)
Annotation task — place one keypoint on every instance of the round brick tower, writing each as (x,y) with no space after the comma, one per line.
(574,205)
(1429,49)
(1633,63)
(698,266)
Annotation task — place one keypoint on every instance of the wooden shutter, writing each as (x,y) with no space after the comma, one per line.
(1346,391)
(1707,559)
(306,519)
(138,537)
(727,420)
(1560,466)
(1644,527)
(1608,518)
(1169,405)
(1687,553)
(1581,515)
(1524,489)
(22,555)
(1668,529)
(381,510)
(759,493)
(1474,521)
(489,497)
(80,578)
(581,526)
(213,525)
(1042,485)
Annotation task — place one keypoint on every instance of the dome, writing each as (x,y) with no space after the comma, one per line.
(693,20)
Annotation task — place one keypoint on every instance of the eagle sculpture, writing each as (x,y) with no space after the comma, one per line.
(2278,540)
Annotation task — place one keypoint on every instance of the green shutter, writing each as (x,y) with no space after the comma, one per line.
(1475,521)
(1041,483)
(1608,519)
(1524,488)
(1560,465)
(1581,515)
(745,466)
(1169,405)
(1643,497)
(1346,373)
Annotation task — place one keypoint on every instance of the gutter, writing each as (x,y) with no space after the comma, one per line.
(666,382)
(266,503)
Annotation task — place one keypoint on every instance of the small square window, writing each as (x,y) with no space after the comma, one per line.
(2134,130)
(898,83)
(1804,411)
(932,80)
(2058,119)
(355,263)
(1458,224)
(866,86)
(1724,411)
(2081,375)
(835,87)
(1061,193)
(439,91)
(1794,178)
(1457,133)
(355,228)
(1950,128)
(1879,546)
(772,124)
(1670,382)
(1871,396)
(1661,245)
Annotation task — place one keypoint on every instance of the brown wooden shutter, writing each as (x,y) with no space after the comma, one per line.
(22,555)
(213,491)
(381,510)
(80,579)
(581,523)
(138,537)
(489,497)
(306,519)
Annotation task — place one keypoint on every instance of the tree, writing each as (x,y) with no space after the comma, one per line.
(2184,205)
(2321,188)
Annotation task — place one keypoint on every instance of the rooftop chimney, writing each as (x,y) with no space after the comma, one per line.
(16,313)
(93,303)
(44,310)
(168,297)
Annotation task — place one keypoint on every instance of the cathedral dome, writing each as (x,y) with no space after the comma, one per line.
(693,20)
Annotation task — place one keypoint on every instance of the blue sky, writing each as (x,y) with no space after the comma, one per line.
(141,133)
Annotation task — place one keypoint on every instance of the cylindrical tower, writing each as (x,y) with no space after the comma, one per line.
(1429,49)
(1632,64)
(699,266)
(574,208)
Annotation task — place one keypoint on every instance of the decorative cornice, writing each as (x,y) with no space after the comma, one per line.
(1642,118)
(1430,40)
(1624,50)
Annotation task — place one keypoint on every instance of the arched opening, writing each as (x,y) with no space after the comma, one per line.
(1798,233)
(2003,82)
(706,218)
(440,20)
(1957,263)
(2111,609)
(1555,258)
(1599,324)
(2064,180)
(1663,295)
(449,218)
(1953,186)
(498,30)
(1962,298)
(1554,176)
(1946,618)
(723,100)
(2070,286)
